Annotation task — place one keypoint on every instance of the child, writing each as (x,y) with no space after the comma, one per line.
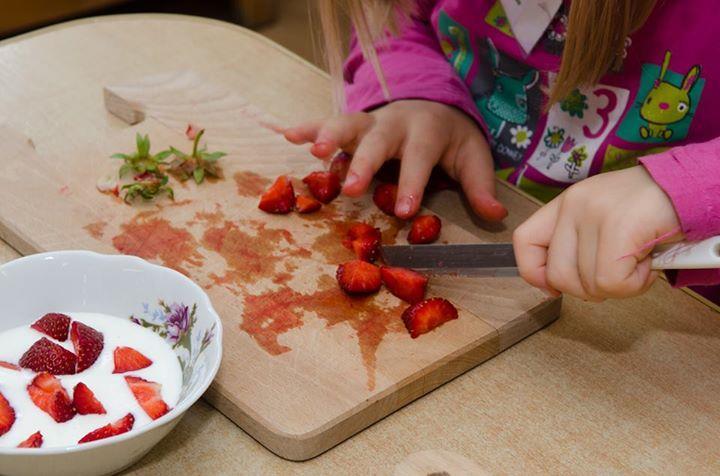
(542,93)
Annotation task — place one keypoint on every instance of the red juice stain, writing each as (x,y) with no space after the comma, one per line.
(96,229)
(154,238)
(250,184)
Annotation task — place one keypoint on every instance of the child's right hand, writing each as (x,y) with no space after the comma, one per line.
(421,134)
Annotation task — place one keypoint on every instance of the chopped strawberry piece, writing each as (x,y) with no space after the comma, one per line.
(7,415)
(425,229)
(307,204)
(425,316)
(364,240)
(34,441)
(128,359)
(405,283)
(88,344)
(121,426)
(389,172)
(279,198)
(325,186)
(55,325)
(47,356)
(359,277)
(85,402)
(9,366)
(148,395)
(340,164)
(384,197)
(359,230)
(48,394)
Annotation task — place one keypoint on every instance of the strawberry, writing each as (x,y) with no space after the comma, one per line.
(34,441)
(279,198)
(55,325)
(359,277)
(325,186)
(9,366)
(389,172)
(148,396)
(425,229)
(404,283)
(340,164)
(307,204)
(426,315)
(7,415)
(364,240)
(48,394)
(47,356)
(85,402)
(121,426)
(384,197)
(88,344)
(128,359)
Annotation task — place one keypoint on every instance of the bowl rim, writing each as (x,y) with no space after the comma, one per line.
(177,411)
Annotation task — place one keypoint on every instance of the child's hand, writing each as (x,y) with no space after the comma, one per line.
(421,134)
(586,242)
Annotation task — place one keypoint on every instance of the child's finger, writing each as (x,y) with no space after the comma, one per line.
(562,258)
(341,132)
(419,156)
(372,151)
(303,133)
(476,175)
(531,241)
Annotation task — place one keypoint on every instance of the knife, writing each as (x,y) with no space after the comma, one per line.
(498,259)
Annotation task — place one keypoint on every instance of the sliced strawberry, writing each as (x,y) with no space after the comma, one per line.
(279,198)
(148,396)
(47,356)
(359,230)
(48,394)
(121,426)
(425,316)
(359,277)
(7,415)
(128,359)
(85,402)
(404,283)
(425,229)
(340,164)
(88,344)
(55,325)
(34,441)
(325,186)
(307,204)
(384,197)
(364,240)
(9,366)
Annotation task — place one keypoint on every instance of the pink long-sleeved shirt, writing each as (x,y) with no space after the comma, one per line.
(662,109)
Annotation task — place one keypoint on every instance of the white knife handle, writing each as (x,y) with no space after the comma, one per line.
(686,255)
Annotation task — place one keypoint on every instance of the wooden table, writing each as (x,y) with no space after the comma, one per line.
(631,386)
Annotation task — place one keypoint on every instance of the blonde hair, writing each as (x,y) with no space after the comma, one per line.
(595,42)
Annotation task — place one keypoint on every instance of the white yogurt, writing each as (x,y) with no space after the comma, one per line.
(110,389)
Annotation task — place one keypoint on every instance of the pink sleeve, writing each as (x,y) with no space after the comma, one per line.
(414,68)
(690,175)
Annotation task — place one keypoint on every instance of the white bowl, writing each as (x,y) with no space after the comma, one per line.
(83,281)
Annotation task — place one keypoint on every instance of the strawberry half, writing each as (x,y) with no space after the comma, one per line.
(307,204)
(426,315)
(404,283)
(385,196)
(34,441)
(359,277)
(55,325)
(340,164)
(325,186)
(88,344)
(121,426)
(47,356)
(148,395)
(9,366)
(425,229)
(364,240)
(279,198)
(85,402)
(7,415)
(48,394)
(128,359)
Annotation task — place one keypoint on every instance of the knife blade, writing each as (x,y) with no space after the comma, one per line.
(482,259)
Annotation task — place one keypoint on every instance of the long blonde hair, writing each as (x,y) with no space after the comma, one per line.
(596,35)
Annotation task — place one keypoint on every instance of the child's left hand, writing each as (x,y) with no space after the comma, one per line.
(587,242)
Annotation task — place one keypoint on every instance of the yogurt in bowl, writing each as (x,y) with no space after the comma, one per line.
(161,348)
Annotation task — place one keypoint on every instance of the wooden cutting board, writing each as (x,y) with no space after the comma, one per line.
(305,367)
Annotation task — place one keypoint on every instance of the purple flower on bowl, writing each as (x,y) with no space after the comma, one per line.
(178,321)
